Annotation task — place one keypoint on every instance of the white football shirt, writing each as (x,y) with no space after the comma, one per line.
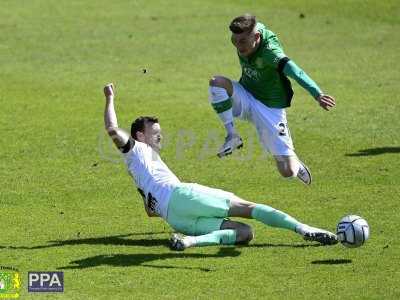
(155,181)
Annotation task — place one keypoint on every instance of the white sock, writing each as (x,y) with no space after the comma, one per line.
(221,103)
(189,241)
(302,229)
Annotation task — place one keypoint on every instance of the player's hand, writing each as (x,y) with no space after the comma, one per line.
(326,101)
(109,91)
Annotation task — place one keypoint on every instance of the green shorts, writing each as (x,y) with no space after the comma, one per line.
(194,209)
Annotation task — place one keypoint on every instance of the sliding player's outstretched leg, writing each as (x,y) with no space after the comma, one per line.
(276,218)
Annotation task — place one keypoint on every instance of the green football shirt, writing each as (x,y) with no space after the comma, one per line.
(260,75)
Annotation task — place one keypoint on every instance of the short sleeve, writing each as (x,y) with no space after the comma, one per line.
(128,146)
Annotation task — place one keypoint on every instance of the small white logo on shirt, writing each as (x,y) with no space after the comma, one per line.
(253,74)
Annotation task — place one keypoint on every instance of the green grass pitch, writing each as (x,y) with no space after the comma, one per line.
(67,203)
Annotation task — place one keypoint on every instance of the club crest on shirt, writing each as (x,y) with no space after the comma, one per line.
(259,62)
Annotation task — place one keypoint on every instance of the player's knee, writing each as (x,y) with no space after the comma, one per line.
(249,234)
(216,81)
(222,82)
(244,234)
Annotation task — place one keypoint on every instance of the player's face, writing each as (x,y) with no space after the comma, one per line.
(152,135)
(246,43)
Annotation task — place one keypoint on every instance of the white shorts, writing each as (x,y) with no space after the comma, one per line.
(271,124)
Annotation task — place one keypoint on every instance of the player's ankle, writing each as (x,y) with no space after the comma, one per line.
(301,229)
(230,129)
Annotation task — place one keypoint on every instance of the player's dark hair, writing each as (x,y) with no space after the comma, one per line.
(243,23)
(140,123)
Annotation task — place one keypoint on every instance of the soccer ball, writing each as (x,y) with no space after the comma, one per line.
(352,231)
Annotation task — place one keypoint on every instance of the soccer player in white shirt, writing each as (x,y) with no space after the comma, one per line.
(199,213)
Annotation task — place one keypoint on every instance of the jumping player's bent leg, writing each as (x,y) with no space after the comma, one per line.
(220,93)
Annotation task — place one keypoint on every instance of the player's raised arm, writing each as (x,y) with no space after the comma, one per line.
(119,136)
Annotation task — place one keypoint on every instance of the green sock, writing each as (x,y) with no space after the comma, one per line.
(273,217)
(224,237)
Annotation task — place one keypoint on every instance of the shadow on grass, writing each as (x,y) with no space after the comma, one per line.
(128,260)
(267,245)
(332,262)
(116,240)
(375,151)
(122,240)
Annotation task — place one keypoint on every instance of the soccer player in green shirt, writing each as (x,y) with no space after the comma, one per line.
(262,94)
